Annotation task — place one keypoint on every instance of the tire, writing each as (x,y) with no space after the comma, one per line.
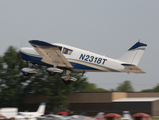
(26,74)
(52,74)
(67,82)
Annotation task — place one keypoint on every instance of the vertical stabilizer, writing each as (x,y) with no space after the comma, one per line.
(99,116)
(41,109)
(126,116)
(134,54)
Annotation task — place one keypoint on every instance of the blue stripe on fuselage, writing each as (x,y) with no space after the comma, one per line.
(89,66)
(80,66)
(32,58)
(37,60)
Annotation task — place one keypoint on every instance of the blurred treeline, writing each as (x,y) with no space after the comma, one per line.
(13,85)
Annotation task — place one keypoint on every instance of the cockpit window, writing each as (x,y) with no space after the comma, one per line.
(67,51)
(60,48)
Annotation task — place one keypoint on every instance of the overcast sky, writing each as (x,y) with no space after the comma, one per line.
(113,26)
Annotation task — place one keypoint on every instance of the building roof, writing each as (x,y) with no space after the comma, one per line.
(137,99)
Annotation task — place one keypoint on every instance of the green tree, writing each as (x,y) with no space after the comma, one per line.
(91,87)
(147,90)
(13,85)
(125,87)
(10,78)
(156,88)
(53,88)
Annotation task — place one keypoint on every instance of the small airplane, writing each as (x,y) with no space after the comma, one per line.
(8,112)
(99,116)
(126,116)
(60,56)
(32,115)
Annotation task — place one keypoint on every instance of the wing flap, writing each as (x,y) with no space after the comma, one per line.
(133,68)
(50,54)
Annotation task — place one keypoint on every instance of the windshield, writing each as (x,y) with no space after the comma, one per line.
(67,51)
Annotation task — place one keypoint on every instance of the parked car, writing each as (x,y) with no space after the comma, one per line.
(63,112)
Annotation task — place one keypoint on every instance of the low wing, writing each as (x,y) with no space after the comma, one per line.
(133,68)
(50,54)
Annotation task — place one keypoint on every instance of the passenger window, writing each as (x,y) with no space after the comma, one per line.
(67,51)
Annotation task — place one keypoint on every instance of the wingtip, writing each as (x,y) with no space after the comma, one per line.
(40,43)
(34,41)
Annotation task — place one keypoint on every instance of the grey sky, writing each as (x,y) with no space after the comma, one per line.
(112,25)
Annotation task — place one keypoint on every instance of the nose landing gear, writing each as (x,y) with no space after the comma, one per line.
(67,79)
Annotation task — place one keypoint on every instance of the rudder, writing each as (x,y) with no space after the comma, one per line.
(99,116)
(134,54)
(41,108)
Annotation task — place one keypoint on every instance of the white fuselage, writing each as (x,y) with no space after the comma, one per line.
(81,60)
(29,115)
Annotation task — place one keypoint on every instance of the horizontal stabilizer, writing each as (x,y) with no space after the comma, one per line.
(132,68)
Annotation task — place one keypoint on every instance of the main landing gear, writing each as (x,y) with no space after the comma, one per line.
(67,79)
(51,70)
(28,70)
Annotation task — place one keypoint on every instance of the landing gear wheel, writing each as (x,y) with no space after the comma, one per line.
(52,73)
(25,74)
(67,81)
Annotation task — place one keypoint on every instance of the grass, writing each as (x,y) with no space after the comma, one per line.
(155,118)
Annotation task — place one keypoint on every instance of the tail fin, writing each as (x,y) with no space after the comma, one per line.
(134,54)
(99,116)
(41,109)
(126,115)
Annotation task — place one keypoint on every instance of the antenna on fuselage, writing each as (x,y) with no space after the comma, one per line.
(94,45)
(107,52)
(91,47)
(19,46)
(22,44)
